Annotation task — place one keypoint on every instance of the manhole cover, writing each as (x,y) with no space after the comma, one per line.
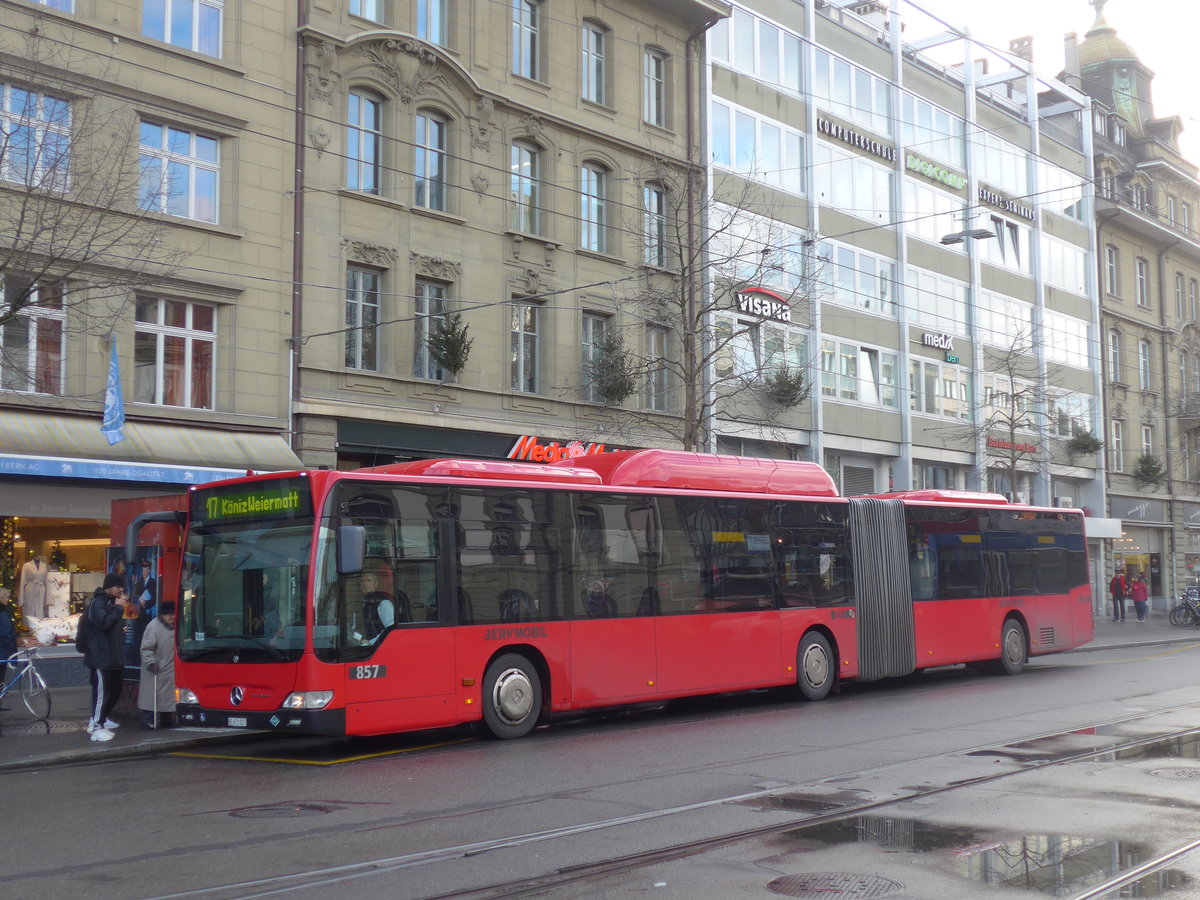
(1184,773)
(53,726)
(823,885)
(284,811)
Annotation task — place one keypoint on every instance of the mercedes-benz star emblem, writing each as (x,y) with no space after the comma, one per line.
(235,696)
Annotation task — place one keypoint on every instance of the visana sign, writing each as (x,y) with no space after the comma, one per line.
(764,303)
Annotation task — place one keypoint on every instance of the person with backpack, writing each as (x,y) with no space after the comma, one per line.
(1118,589)
(102,639)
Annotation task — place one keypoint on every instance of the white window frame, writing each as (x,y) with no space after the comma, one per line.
(593,63)
(525,187)
(859,373)
(43,312)
(525,326)
(371,10)
(594,336)
(527,38)
(430,188)
(1147,439)
(1145,365)
(756,146)
(655,85)
(1180,297)
(1117,444)
(429,307)
(166,10)
(595,181)
(362,316)
(951,389)
(658,380)
(49,119)
(161,164)
(760,49)
(654,224)
(858,279)
(364,143)
(1114,356)
(433,21)
(192,338)
(1112,270)
(1142,282)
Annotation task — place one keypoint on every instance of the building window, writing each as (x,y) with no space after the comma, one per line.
(593,66)
(525,188)
(1185,216)
(654,87)
(754,145)
(595,336)
(658,394)
(1147,439)
(1171,210)
(178,172)
(367,9)
(937,389)
(526,37)
(524,331)
(1117,445)
(1114,356)
(755,47)
(1144,366)
(432,21)
(362,319)
(364,140)
(429,308)
(751,348)
(853,184)
(1180,297)
(654,210)
(858,279)
(430,162)
(173,353)
(862,374)
(1193,299)
(1185,369)
(1112,273)
(35,138)
(33,349)
(190,24)
(593,210)
(1142,282)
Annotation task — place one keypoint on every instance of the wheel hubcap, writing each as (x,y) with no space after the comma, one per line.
(512,697)
(816,666)
(1013,644)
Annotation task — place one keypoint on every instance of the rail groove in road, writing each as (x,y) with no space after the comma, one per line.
(1021,754)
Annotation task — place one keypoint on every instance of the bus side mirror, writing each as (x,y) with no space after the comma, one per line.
(351,549)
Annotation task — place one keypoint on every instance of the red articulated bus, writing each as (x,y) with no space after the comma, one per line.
(440,592)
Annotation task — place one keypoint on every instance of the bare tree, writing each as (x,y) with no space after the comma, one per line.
(712,330)
(76,239)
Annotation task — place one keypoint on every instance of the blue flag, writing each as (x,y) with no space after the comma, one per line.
(114,406)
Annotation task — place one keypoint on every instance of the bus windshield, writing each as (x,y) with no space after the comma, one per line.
(245,578)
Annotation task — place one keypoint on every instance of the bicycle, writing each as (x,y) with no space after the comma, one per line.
(34,692)
(1187,613)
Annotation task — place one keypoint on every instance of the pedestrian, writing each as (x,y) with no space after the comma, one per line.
(102,653)
(1118,588)
(1140,592)
(8,635)
(156,692)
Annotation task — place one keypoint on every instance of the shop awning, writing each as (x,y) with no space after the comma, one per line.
(43,444)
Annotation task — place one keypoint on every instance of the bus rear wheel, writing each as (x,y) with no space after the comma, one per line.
(512,697)
(1013,650)
(814,667)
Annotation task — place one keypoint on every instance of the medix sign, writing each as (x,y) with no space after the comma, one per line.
(529,447)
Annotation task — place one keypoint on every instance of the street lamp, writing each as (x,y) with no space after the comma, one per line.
(959,236)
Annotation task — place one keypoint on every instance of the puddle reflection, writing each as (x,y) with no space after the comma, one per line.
(1052,864)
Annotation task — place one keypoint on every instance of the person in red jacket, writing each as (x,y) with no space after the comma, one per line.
(1118,588)
(1140,592)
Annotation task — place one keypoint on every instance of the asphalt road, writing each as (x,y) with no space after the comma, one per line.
(933,785)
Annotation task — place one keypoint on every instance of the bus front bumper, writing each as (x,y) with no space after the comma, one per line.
(306,721)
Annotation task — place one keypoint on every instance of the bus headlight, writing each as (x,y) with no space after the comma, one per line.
(307,700)
(183,695)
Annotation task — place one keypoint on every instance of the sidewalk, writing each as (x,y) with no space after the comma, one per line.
(63,738)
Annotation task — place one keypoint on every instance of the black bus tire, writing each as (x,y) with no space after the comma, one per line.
(512,697)
(815,667)
(1014,652)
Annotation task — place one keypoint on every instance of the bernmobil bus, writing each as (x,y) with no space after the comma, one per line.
(441,592)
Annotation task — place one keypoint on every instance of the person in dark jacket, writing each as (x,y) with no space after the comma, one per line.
(8,635)
(102,653)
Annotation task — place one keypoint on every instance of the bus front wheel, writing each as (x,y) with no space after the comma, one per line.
(814,667)
(512,697)
(1013,652)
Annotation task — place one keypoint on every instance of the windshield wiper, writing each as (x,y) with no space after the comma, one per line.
(266,645)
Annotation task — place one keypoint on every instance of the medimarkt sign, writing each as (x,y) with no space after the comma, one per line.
(937,173)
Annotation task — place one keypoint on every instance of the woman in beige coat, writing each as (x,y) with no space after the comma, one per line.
(156,692)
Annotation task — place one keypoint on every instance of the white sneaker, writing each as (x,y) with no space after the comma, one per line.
(91,726)
(102,734)
(110,724)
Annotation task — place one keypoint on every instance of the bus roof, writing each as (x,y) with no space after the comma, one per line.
(939,496)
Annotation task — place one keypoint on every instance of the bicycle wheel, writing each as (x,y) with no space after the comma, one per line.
(35,694)
(1182,615)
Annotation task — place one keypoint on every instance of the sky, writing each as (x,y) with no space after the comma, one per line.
(1161,32)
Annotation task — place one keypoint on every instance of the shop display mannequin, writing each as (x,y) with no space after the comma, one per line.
(33,588)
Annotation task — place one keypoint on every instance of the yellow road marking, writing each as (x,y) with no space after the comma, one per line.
(1165,653)
(315,762)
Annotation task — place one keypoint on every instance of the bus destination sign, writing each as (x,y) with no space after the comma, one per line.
(284,499)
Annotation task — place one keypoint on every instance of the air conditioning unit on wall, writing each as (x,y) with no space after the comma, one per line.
(1064,502)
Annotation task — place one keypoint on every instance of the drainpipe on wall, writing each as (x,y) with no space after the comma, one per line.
(297,227)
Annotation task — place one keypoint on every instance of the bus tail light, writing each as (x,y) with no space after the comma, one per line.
(307,700)
(183,695)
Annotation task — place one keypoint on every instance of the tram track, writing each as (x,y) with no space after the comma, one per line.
(329,877)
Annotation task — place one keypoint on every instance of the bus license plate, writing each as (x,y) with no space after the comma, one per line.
(237,721)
